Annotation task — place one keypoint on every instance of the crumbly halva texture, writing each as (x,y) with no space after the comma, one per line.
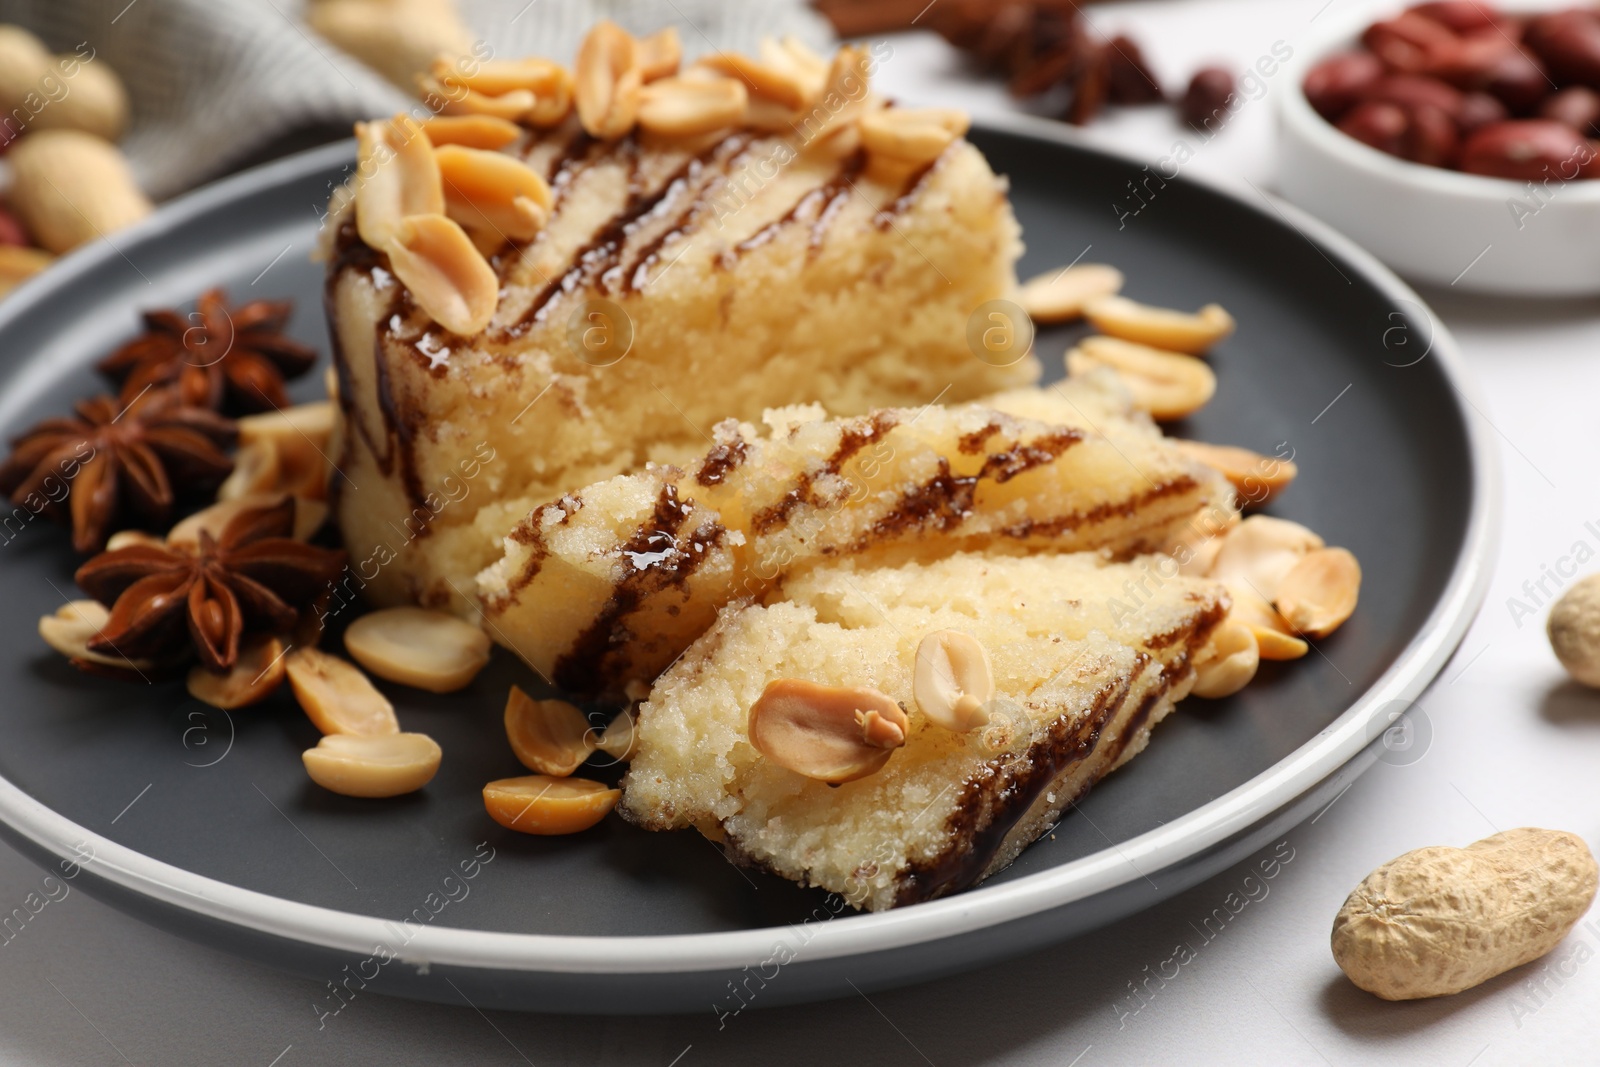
(1087,656)
(607,585)
(675,284)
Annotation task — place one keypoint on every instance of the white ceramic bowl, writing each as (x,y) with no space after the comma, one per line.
(1433,225)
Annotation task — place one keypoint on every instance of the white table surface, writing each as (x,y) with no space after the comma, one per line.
(1513,744)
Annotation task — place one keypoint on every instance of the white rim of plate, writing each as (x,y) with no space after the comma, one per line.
(975,909)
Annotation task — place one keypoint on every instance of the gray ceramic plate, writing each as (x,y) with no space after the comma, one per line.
(205,824)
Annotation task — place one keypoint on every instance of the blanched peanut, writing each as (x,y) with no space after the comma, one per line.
(830,733)
(255,675)
(839,134)
(1257,478)
(420,648)
(778,83)
(1272,635)
(397,175)
(338,698)
(299,439)
(802,66)
(73,625)
(255,470)
(1319,593)
(373,765)
(659,54)
(1172,331)
(608,79)
(1260,551)
(912,136)
(953,680)
(491,191)
(447,275)
(471,131)
(548,736)
(129,538)
(1059,295)
(542,805)
(309,515)
(687,107)
(619,739)
(1168,386)
(1228,662)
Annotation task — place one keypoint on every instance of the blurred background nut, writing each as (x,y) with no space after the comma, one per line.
(1569,44)
(1577,106)
(1377,125)
(1339,82)
(1529,150)
(71,188)
(1574,630)
(1207,102)
(18,264)
(398,38)
(39,91)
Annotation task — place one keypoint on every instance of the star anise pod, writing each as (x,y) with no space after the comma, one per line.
(112,462)
(218,357)
(168,599)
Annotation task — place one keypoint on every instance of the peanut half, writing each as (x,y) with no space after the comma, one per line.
(620,739)
(336,697)
(778,82)
(687,107)
(835,134)
(911,136)
(1319,593)
(1439,920)
(447,275)
(309,515)
(471,131)
(536,91)
(1173,331)
(1256,477)
(1228,661)
(73,625)
(1260,551)
(538,804)
(255,675)
(608,79)
(827,732)
(660,54)
(953,680)
(420,648)
(298,437)
(373,765)
(548,736)
(1166,385)
(397,175)
(486,190)
(1059,295)
(1272,633)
